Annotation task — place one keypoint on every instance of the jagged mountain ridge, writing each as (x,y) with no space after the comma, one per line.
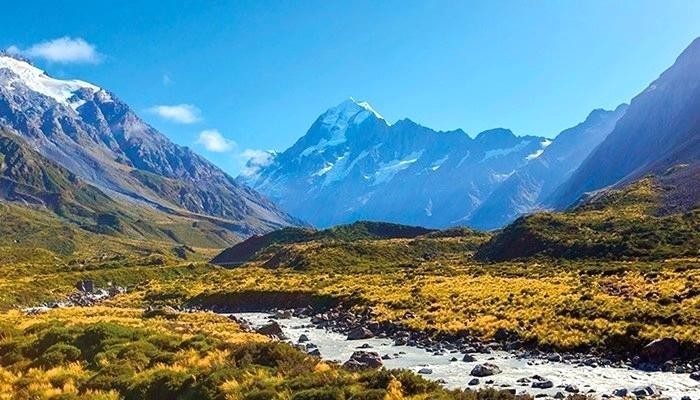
(94,135)
(352,165)
(29,180)
(660,130)
(529,187)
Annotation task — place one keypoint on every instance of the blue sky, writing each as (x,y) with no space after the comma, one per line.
(255,74)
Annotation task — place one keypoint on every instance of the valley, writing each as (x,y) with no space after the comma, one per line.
(370,260)
(407,285)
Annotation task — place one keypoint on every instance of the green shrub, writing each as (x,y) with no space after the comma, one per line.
(327,393)
(161,385)
(260,394)
(59,353)
(370,394)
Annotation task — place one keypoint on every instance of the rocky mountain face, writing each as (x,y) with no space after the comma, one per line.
(352,165)
(528,188)
(92,134)
(659,131)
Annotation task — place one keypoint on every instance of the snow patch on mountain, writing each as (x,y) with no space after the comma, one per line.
(63,91)
(488,154)
(387,171)
(337,171)
(543,145)
(438,163)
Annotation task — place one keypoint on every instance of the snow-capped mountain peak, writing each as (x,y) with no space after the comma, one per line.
(351,164)
(349,111)
(65,92)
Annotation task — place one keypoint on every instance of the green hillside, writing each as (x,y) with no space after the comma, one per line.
(632,222)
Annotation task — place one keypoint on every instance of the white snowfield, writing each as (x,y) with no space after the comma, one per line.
(456,374)
(36,80)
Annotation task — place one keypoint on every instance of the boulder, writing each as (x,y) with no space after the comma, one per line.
(473,382)
(695,376)
(360,333)
(645,391)
(660,350)
(543,384)
(272,329)
(571,389)
(85,286)
(315,352)
(485,369)
(468,358)
(303,338)
(361,360)
(425,371)
(283,314)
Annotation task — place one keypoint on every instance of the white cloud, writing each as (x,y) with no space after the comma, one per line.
(213,140)
(65,50)
(180,113)
(255,160)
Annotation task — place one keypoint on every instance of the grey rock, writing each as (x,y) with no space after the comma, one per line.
(543,384)
(360,333)
(660,350)
(272,329)
(485,369)
(571,389)
(361,360)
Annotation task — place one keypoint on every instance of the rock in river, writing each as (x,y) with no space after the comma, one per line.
(272,329)
(543,384)
(660,350)
(361,360)
(485,369)
(360,333)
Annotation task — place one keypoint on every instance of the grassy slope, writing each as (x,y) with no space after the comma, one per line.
(262,247)
(618,224)
(27,178)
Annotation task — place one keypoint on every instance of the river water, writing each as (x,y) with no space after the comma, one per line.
(455,374)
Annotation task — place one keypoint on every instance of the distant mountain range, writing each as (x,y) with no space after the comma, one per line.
(76,150)
(529,188)
(61,134)
(352,165)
